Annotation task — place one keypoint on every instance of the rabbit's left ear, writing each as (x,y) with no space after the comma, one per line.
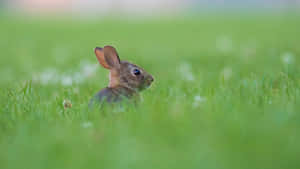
(100,56)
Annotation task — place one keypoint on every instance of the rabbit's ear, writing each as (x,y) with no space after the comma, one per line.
(111,57)
(100,56)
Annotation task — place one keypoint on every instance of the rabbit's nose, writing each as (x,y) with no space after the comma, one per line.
(151,79)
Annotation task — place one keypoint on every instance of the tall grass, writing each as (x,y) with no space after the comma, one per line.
(226,93)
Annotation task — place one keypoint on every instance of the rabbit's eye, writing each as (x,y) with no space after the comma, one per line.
(136,72)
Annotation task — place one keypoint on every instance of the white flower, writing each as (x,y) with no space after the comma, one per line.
(197,100)
(87,124)
(67,104)
(66,80)
(185,72)
(88,69)
(288,58)
(48,76)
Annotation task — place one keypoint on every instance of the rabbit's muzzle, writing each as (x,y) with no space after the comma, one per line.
(148,81)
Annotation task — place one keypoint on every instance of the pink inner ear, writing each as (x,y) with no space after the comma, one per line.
(100,56)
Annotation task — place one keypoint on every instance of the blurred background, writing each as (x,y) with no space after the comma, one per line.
(150,7)
(215,24)
(226,90)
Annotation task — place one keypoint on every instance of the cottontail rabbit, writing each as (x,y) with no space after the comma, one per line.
(125,78)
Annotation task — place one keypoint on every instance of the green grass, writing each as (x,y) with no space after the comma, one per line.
(223,96)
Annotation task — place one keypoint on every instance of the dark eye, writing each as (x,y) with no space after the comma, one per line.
(136,72)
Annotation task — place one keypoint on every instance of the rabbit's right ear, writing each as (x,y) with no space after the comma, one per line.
(100,56)
(111,57)
(108,57)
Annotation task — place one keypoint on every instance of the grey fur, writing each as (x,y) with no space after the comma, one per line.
(129,84)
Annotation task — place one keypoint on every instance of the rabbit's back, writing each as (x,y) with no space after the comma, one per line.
(111,95)
(107,94)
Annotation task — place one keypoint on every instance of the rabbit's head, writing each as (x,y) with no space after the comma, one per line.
(122,73)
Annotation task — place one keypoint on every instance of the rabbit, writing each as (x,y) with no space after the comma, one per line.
(126,80)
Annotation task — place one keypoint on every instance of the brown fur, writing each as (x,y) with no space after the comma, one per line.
(114,79)
(122,81)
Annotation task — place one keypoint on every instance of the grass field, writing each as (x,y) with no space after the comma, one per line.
(226,93)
